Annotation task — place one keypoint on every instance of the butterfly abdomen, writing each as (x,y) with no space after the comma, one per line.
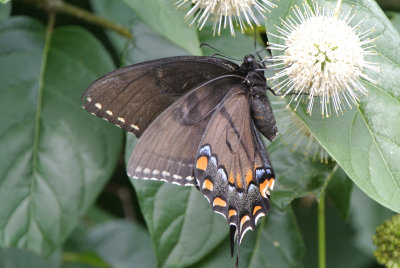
(263,116)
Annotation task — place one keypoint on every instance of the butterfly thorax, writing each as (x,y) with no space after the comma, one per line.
(259,104)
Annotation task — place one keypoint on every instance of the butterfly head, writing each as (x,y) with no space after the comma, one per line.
(249,64)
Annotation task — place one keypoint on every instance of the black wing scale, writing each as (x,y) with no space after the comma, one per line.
(199,118)
(133,96)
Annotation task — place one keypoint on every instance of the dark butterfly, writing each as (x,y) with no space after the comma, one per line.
(199,120)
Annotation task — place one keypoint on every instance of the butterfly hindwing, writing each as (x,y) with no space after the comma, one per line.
(167,149)
(133,96)
(232,167)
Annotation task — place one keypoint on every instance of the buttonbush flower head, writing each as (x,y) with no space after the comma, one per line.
(295,133)
(387,241)
(323,56)
(225,12)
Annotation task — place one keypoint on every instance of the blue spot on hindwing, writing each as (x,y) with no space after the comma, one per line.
(205,150)
(213,161)
(260,172)
(222,173)
(252,187)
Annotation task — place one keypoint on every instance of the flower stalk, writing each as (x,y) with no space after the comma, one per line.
(321,233)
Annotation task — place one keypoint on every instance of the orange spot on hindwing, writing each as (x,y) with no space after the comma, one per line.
(238,180)
(207,184)
(249,177)
(263,188)
(219,202)
(231,179)
(271,183)
(202,163)
(232,212)
(243,220)
(256,208)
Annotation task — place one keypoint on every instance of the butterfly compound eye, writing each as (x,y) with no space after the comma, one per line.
(249,58)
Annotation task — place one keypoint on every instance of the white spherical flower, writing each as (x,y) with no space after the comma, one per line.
(322,56)
(224,12)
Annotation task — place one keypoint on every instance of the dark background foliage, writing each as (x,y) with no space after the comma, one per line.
(65,200)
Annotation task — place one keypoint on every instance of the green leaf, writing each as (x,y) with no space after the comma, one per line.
(77,252)
(365,216)
(365,141)
(146,44)
(168,21)
(5,11)
(339,191)
(395,20)
(121,243)
(77,265)
(108,243)
(55,157)
(93,217)
(297,176)
(4,1)
(17,258)
(276,242)
(183,227)
(118,12)
(341,249)
(83,260)
(389,4)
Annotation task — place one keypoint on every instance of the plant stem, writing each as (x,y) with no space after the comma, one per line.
(321,232)
(60,6)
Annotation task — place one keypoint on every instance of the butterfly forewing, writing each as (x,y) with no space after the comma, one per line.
(232,168)
(168,147)
(132,97)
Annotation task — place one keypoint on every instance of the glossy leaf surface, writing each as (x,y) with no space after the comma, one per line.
(55,158)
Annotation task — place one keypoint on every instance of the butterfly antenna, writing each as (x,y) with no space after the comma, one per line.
(258,51)
(219,52)
(224,56)
(280,94)
(267,42)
